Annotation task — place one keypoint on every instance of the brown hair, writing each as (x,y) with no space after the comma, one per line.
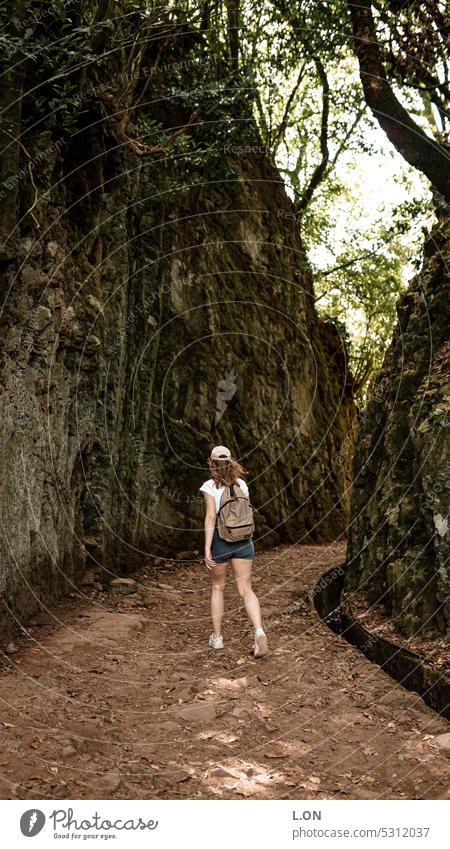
(225,472)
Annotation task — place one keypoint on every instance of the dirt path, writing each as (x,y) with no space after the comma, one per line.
(123,699)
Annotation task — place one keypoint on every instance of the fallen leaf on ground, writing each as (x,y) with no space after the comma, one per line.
(11,788)
(275,751)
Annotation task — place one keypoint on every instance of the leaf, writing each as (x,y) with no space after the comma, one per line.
(11,787)
(35,744)
(310,783)
(275,750)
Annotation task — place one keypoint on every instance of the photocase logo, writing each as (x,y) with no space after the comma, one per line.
(32,822)
(225,391)
(66,825)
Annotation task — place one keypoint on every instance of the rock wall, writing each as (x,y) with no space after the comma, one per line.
(398,547)
(162,305)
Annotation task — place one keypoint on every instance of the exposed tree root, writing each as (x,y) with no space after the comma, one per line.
(122,120)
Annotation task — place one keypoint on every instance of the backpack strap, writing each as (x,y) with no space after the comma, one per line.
(233,497)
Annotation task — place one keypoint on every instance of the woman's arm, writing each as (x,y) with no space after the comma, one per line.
(210,521)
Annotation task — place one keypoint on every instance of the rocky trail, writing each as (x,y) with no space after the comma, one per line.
(117,695)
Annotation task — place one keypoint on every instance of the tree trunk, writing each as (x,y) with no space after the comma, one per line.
(419,149)
(233,33)
(11,92)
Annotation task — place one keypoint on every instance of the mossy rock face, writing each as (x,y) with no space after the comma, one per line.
(399,536)
(173,310)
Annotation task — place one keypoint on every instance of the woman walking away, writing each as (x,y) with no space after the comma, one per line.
(228,536)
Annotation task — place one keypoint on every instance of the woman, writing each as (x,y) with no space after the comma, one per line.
(226,471)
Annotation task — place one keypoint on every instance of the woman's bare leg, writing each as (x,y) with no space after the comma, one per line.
(218,573)
(242,570)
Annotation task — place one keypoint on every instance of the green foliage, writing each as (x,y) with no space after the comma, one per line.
(312,114)
(360,286)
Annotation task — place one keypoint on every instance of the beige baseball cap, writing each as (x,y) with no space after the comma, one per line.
(219,452)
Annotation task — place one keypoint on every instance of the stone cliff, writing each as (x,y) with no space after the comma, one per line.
(398,551)
(154,306)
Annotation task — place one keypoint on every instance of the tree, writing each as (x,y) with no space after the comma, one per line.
(312,114)
(416,48)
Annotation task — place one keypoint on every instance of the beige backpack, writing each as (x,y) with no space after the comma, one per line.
(235,520)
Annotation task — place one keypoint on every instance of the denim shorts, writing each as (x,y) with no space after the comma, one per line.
(222,550)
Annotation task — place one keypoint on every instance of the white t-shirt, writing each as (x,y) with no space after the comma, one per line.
(210,488)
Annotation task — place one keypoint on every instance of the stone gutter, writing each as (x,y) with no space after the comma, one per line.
(411,670)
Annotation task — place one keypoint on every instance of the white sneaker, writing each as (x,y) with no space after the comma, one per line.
(260,648)
(216,642)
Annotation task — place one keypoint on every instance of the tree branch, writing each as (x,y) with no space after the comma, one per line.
(345,264)
(284,121)
(320,169)
(30,171)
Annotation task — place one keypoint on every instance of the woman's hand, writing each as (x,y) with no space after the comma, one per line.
(208,559)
